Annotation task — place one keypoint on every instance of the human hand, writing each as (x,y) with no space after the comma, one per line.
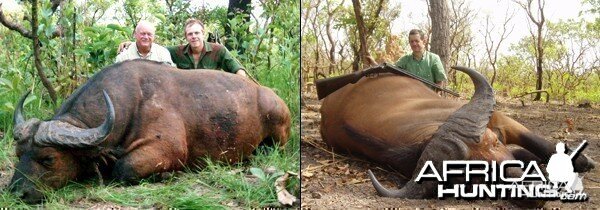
(123,46)
(242,72)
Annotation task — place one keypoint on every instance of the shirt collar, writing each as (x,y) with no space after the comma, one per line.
(423,57)
(140,54)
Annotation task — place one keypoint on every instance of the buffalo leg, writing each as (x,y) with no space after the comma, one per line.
(513,132)
(163,150)
(276,116)
(150,159)
(544,149)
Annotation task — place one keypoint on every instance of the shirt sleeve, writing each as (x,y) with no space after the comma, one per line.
(166,57)
(121,56)
(401,63)
(439,74)
(228,62)
(118,58)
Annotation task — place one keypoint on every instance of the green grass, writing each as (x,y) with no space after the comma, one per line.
(186,191)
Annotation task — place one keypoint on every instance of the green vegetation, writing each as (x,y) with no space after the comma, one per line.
(271,55)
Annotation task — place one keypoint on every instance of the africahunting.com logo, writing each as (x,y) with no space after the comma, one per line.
(495,180)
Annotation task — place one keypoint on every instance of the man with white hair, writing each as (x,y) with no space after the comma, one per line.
(144,47)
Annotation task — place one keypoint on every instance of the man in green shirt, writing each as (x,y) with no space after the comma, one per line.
(420,62)
(200,54)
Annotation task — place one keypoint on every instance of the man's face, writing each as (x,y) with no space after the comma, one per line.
(144,36)
(194,34)
(416,43)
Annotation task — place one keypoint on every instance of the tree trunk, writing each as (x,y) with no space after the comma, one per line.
(330,38)
(36,51)
(317,46)
(539,45)
(356,60)
(365,57)
(330,15)
(440,28)
(540,56)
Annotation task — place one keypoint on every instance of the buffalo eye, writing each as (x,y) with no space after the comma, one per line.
(47,161)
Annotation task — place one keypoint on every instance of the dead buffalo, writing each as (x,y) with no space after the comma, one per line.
(150,119)
(400,123)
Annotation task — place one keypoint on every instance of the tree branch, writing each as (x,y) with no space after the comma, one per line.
(24,32)
(14,26)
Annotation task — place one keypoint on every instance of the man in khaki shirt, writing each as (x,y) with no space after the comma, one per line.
(144,46)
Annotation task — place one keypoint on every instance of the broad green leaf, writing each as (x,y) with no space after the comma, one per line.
(107,53)
(80,52)
(100,44)
(161,17)
(50,30)
(6,82)
(89,29)
(8,106)
(114,27)
(40,28)
(258,173)
(46,12)
(29,99)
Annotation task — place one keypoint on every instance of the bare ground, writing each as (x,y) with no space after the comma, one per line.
(334,181)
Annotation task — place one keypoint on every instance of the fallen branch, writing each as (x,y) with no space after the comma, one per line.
(533,92)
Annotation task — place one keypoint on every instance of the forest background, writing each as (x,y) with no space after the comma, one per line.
(518,45)
(76,39)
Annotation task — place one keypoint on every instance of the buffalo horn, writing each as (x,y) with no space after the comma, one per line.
(470,121)
(22,129)
(58,133)
(18,118)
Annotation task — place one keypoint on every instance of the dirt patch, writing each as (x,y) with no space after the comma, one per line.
(334,181)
